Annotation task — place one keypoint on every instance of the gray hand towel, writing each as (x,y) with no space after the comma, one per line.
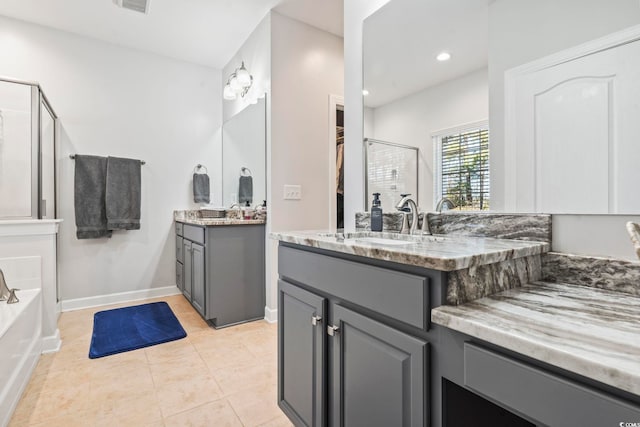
(201,188)
(245,190)
(89,197)
(124,188)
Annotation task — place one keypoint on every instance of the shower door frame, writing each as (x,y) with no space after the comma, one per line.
(366,167)
(39,98)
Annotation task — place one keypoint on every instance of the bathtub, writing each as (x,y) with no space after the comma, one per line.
(20,347)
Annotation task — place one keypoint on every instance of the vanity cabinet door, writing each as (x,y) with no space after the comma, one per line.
(378,374)
(198,277)
(301,355)
(179,275)
(188,269)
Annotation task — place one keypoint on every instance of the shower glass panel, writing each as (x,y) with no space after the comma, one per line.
(391,170)
(27,152)
(48,161)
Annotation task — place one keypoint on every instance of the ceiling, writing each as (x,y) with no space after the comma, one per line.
(402,39)
(206,32)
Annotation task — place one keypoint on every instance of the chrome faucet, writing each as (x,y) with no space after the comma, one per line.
(5,293)
(445,201)
(406,205)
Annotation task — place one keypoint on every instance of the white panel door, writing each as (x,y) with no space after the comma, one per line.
(578,135)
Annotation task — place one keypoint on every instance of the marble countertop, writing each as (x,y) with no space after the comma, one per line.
(592,332)
(439,252)
(221,221)
(194,217)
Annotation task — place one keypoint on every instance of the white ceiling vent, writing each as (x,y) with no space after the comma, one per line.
(141,6)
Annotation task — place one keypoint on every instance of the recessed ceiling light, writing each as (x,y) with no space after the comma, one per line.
(443,56)
(365,92)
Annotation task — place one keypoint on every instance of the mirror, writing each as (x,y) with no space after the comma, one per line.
(244,155)
(515,105)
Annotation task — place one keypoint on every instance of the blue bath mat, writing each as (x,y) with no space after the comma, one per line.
(130,328)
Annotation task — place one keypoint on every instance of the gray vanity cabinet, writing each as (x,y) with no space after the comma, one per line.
(220,269)
(198,277)
(188,269)
(302,356)
(378,373)
(374,373)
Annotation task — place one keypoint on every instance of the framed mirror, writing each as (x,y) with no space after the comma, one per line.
(514,105)
(244,163)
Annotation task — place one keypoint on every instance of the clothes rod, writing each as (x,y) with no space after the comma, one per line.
(73,157)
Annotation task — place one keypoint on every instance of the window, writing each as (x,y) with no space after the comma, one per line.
(462,165)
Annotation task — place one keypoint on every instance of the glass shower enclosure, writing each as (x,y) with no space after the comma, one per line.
(390,169)
(28,140)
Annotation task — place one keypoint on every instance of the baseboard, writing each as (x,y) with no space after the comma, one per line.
(271,314)
(100,300)
(52,343)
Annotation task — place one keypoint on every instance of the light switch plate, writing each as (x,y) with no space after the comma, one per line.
(292,192)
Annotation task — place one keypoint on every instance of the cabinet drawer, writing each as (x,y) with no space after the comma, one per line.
(544,397)
(179,249)
(178,229)
(179,275)
(194,233)
(401,296)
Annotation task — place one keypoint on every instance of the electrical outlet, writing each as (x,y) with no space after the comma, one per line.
(292,192)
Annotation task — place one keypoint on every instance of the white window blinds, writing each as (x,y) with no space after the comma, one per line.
(464,169)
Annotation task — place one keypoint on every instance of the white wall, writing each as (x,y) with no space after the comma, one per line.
(256,54)
(122,102)
(536,29)
(412,121)
(307,66)
(355,11)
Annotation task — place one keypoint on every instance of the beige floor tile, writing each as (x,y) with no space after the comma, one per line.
(139,410)
(280,421)
(66,401)
(192,322)
(260,342)
(79,419)
(188,393)
(242,377)
(218,414)
(169,351)
(178,370)
(227,356)
(184,381)
(257,405)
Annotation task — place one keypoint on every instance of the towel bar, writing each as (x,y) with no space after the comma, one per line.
(73,157)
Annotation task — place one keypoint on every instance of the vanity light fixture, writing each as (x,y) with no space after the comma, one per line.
(443,56)
(238,83)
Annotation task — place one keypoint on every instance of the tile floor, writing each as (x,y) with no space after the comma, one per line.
(211,378)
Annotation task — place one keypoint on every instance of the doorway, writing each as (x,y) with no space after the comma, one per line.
(336,162)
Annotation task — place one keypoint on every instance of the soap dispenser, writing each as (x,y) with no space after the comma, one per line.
(376,213)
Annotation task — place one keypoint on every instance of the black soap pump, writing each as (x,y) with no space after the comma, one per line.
(376,213)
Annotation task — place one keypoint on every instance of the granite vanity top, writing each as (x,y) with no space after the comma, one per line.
(438,252)
(222,221)
(192,217)
(589,331)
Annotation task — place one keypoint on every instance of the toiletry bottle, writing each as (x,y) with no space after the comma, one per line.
(247,211)
(376,213)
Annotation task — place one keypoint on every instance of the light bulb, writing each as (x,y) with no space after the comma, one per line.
(365,92)
(228,93)
(443,56)
(234,84)
(243,76)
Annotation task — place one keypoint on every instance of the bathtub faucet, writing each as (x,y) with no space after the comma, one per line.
(6,294)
